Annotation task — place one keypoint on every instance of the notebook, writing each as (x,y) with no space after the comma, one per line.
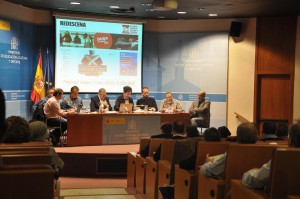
(125,108)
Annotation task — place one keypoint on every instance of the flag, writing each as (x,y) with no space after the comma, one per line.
(48,74)
(38,90)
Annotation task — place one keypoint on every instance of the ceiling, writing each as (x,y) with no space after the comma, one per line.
(151,9)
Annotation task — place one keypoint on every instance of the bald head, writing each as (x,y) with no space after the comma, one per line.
(247,133)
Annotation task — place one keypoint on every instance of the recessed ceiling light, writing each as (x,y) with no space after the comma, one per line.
(61,8)
(114,7)
(161,17)
(200,9)
(212,15)
(149,10)
(146,4)
(181,12)
(74,3)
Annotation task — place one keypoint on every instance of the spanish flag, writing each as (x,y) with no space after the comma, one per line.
(38,90)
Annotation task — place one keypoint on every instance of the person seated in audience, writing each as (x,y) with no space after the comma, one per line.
(259,178)
(170,104)
(224,131)
(124,98)
(269,131)
(73,101)
(49,93)
(200,111)
(177,134)
(282,131)
(101,101)
(212,135)
(191,131)
(39,132)
(56,116)
(146,100)
(166,132)
(214,167)
(2,115)
(17,130)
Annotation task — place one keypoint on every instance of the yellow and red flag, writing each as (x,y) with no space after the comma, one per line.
(38,90)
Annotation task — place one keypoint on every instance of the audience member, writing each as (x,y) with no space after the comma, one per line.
(56,116)
(177,134)
(166,132)
(282,130)
(101,101)
(200,111)
(17,130)
(170,104)
(192,131)
(2,114)
(258,178)
(212,135)
(39,132)
(146,100)
(124,98)
(269,131)
(224,131)
(73,101)
(214,166)
(49,93)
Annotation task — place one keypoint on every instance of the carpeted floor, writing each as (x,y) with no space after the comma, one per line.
(72,182)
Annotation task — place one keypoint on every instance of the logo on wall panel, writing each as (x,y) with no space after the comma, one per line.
(132,130)
(14,44)
(131,125)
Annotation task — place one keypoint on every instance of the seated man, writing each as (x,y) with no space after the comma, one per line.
(200,111)
(56,116)
(166,132)
(258,178)
(269,131)
(101,101)
(72,101)
(50,92)
(177,134)
(214,166)
(146,100)
(170,105)
(124,98)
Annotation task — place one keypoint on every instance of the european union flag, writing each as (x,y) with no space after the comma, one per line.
(48,74)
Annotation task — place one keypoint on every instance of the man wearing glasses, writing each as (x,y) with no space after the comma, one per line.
(101,101)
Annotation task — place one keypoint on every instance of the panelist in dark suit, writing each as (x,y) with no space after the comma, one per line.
(100,101)
(146,100)
(124,98)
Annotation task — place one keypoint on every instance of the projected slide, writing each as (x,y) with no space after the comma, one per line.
(94,54)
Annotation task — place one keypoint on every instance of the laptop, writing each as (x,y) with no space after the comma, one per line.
(125,108)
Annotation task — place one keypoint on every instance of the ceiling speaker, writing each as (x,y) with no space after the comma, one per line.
(235,29)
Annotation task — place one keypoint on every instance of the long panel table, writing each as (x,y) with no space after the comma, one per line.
(117,128)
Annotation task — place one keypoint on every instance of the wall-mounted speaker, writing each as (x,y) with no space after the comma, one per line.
(235,29)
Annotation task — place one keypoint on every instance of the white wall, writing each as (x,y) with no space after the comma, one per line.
(296,114)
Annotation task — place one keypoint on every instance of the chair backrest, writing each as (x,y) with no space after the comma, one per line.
(167,148)
(243,157)
(285,173)
(143,142)
(25,159)
(25,148)
(27,181)
(154,144)
(211,148)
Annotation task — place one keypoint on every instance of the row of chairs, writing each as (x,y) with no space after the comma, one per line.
(146,175)
(26,171)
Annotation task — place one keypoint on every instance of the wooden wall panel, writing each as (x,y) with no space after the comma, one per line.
(276,45)
(274,97)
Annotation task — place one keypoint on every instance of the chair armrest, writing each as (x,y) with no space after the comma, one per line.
(185,184)
(238,190)
(210,187)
